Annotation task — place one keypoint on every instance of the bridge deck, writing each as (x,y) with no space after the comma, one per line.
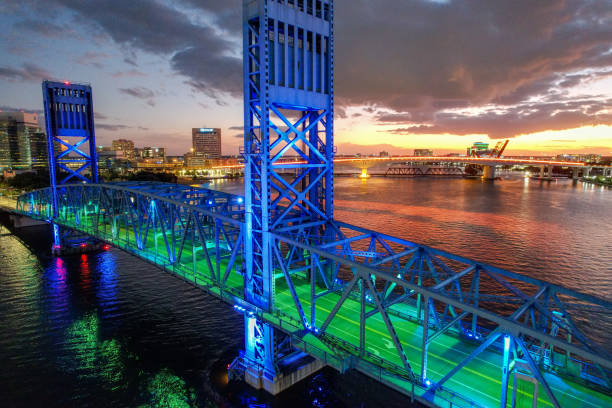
(477,384)
(480,379)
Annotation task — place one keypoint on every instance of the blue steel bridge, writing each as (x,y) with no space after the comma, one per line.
(438,327)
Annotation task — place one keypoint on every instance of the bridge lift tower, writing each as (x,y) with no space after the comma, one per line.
(288,113)
(71,144)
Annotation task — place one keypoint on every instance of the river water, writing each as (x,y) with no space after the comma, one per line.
(107,329)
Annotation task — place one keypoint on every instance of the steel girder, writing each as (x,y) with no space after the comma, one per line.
(69,119)
(389,282)
(399,281)
(196,233)
(288,113)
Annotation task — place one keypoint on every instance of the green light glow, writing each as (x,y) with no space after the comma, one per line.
(96,357)
(168,390)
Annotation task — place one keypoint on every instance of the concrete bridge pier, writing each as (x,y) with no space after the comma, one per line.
(575,173)
(300,366)
(543,174)
(488,173)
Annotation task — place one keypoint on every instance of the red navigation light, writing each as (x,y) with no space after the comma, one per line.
(106,247)
(67,83)
(83,245)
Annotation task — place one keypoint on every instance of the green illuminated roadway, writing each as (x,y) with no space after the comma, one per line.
(479,382)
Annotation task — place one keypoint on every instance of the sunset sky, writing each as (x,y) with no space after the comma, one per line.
(437,74)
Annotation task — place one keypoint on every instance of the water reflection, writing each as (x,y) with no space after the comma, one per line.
(166,389)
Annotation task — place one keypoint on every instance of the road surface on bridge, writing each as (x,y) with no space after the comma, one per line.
(480,379)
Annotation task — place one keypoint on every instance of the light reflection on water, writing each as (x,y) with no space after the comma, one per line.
(108,330)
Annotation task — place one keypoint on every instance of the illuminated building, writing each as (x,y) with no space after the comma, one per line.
(206,142)
(125,146)
(583,158)
(478,148)
(423,152)
(23,144)
(155,153)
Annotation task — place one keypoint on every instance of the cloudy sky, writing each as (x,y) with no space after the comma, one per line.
(409,73)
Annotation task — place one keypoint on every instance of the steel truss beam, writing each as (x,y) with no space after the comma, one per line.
(384,276)
(446,289)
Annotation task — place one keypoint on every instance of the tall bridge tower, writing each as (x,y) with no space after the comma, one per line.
(288,114)
(71,140)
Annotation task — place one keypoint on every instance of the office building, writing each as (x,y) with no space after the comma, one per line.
(23,144)
(157,154)
(423,152)
(206,142)
(125,146)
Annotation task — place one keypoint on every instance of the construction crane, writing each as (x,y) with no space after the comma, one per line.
(499,149)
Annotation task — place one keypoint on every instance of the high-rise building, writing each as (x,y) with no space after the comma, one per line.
(423,152)
(23,144)
(206,142)
(125,146)
(156,153)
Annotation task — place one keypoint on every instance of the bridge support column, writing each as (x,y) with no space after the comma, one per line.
(489,173)
(575,173)
(550,172)
(541,172)
(263,368)
(278,88)
(279,382)
(586,172)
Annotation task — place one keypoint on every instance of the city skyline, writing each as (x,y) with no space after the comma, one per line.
(159,69)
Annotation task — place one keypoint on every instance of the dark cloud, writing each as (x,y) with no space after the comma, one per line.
(128,74)
(473,51)
(516,120)
(410,62)
(421,59)
(6,108)
(41,27)
(27,73)
(93,59)
(197,51)
(111,127)
(140,92)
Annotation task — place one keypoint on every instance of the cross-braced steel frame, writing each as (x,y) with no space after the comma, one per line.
(288,107)
(69,118)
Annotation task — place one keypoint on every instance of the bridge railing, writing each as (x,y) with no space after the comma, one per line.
(194,239)
(375,292)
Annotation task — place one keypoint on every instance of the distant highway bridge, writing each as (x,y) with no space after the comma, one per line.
(489,164)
